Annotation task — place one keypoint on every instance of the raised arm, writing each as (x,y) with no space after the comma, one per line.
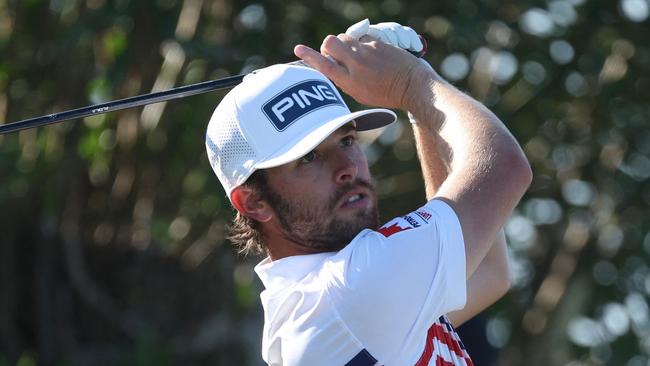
(491,280)
(488,172)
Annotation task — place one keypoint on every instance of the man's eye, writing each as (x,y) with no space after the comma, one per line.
(348,141)
(308,158)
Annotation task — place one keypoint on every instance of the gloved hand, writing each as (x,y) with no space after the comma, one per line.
(391,33)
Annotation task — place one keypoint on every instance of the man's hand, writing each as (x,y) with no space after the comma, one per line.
(373,73)
(393,34)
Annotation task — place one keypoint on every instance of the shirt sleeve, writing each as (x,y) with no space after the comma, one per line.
(393,283)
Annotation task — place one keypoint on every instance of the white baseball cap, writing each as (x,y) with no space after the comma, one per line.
(277,115)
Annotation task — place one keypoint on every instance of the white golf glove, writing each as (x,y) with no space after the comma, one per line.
(390,33)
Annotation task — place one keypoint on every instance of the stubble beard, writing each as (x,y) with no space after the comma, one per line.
(318,227)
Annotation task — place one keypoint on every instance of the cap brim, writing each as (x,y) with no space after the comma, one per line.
(365,120)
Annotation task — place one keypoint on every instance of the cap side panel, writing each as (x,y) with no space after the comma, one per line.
(230,154)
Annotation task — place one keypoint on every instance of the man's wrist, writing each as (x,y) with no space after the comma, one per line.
(420,95)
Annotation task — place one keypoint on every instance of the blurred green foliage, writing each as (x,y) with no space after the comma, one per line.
(112,246)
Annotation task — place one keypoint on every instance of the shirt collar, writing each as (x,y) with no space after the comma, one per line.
(287,271)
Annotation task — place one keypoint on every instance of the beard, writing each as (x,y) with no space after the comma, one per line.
(316,226)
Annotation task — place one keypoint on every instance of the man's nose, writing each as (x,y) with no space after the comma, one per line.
(346,167)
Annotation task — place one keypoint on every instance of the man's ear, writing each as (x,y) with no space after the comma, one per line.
(249,203)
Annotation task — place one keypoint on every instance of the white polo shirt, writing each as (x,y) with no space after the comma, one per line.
(381,300)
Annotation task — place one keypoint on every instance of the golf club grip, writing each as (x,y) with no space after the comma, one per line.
(141,100)
(116,105)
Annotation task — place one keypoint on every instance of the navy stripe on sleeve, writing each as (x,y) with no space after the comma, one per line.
(363,358)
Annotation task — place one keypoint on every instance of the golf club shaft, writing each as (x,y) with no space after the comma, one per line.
(116,105)
(139,100)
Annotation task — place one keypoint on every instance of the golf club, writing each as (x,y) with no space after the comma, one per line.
(116,105)
(140,100)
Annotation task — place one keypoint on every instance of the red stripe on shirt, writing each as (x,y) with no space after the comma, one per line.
(448,337)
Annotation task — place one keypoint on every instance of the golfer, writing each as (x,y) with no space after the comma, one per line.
(341,289)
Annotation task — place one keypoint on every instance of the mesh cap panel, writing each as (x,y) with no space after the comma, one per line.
(228,150)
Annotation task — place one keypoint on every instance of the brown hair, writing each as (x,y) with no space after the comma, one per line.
(245,233)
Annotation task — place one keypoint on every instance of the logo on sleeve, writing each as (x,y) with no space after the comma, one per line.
(299,100)
(392,229)
(424,215)
(413,220)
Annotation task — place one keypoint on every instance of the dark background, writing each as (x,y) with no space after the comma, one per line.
(112,248)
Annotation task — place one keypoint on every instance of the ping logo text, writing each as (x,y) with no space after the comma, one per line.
(298,100)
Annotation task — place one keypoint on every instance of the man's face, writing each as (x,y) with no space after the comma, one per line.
(324,199)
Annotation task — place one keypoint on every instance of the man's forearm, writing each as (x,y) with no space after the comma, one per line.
(491,280)
(434,155)
(435,159)
(488,172)
(488,283)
